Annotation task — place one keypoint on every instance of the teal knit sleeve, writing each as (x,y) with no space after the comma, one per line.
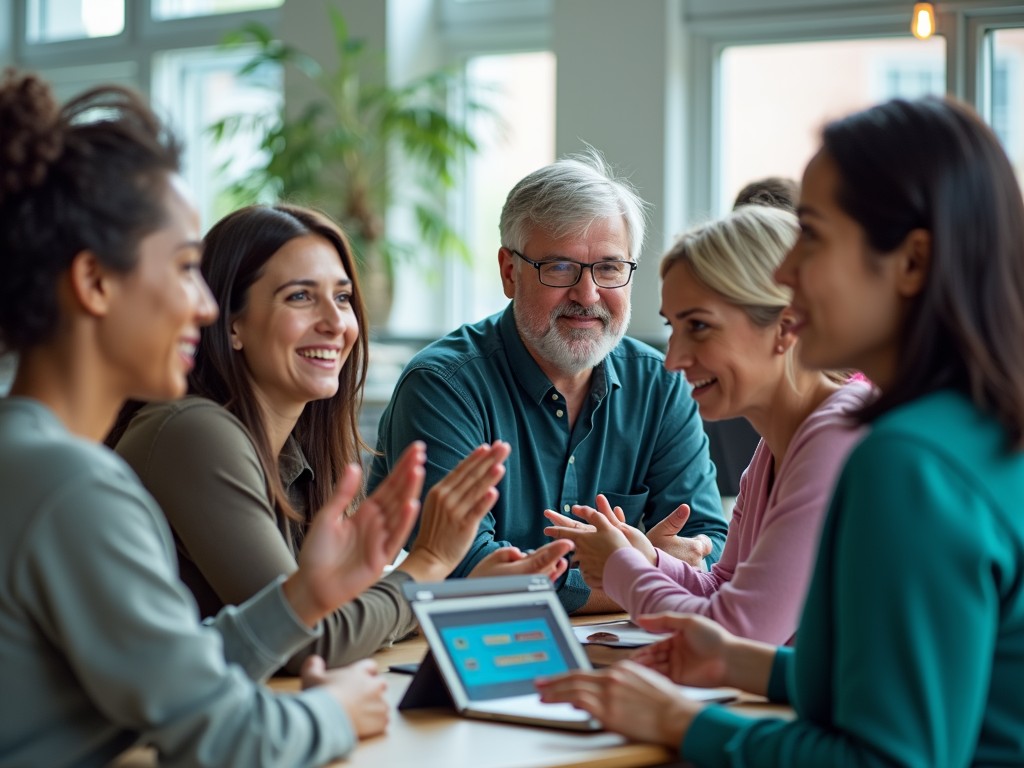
(894,655)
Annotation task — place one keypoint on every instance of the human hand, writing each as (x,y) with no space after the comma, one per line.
(695,654)
(636,537)
(628,699)
(452,513)
(595,540)
(549,560)
(701,653)
(404,484)
(357,688)
(690,550)
(344,554)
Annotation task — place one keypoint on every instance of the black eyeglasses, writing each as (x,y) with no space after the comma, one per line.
(565,273)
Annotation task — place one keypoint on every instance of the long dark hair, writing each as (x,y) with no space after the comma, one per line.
(235,252)
(933,164)
(88,176)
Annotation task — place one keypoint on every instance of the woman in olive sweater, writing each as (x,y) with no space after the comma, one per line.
(240,465)
(910,651)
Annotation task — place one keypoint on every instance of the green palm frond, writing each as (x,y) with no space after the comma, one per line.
(334,153)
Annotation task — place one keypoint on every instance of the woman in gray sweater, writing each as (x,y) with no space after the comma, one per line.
(102,300)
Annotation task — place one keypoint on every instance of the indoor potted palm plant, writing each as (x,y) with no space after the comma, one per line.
(334,152)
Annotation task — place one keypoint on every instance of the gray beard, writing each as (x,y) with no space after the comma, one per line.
(575,350)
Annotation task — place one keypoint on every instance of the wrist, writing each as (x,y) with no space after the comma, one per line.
(675,722)
(300,598)
(748,664)
(422,565)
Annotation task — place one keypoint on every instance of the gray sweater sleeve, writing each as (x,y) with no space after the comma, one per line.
(98,569)
(201,466)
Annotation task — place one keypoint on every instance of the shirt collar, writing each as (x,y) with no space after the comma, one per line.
(292,463)
(530,376)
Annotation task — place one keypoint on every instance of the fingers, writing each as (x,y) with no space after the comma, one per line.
(663,622)
(404,480)
(672,524)
(584,690)
(549,556)
(346,489)
(313,672)
(561,520)
(604,507)
(560,532)
(559,567)
(398,496)
(601,521)
(564,523)
(474,476)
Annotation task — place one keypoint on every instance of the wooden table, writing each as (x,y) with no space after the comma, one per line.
(438,738)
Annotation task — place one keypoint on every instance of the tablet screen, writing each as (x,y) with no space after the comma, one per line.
(499,652)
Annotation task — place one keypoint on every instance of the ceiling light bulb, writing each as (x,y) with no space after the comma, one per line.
(923,22)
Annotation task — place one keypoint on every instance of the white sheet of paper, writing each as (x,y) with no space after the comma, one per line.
(618,634)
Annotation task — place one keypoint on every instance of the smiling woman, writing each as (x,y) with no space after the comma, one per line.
(102,299)
(732,339)
(271,422)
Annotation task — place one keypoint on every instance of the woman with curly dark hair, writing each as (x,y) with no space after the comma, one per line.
(100,646)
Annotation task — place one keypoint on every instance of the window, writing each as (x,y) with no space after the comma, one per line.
(520,140)
(167,49)
(1005,112)
(194,89)
(176,9)
(55,20)
(515,134)
(770,127)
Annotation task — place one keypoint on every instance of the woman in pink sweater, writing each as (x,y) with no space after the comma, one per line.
(731,339)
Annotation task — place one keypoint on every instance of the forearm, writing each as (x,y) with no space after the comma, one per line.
(641,588)
(598,602)
(379,616)
(749,665)
(193,705)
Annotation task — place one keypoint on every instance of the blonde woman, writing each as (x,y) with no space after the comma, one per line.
(732,339)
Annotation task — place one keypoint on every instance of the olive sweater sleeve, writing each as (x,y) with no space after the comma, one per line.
(201,466)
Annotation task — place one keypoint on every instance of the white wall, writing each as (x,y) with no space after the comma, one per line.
(618,90)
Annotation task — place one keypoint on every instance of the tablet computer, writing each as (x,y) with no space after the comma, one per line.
(489,639)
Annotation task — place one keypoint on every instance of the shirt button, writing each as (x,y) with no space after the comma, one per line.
(554,397)
(566,508)
(572,459)
(559,413)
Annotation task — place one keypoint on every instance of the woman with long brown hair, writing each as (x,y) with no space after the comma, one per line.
(239,465)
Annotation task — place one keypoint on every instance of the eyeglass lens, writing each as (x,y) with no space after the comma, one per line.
(607,274)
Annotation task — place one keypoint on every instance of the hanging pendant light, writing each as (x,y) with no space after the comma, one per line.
(923,22)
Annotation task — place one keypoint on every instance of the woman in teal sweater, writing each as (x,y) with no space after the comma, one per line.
(909,267)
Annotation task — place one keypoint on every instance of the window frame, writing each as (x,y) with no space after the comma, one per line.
(143,38)
(963,24)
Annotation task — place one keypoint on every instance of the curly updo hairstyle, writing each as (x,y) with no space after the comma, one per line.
(88,176)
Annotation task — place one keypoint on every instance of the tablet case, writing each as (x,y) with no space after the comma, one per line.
(428,688)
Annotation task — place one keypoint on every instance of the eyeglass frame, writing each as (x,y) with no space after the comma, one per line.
(538,264)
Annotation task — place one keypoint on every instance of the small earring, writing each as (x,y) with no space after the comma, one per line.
(780,348)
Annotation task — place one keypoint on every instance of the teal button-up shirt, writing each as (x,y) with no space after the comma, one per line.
(638,439)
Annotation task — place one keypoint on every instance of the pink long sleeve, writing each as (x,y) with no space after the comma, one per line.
(757,588)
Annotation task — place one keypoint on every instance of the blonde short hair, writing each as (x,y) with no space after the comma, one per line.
(736,257)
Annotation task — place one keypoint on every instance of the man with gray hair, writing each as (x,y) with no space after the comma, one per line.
(586,409)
